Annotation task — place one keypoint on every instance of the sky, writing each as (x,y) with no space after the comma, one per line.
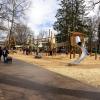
(41,15)
(92,12)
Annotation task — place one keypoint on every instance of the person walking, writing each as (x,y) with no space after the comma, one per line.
(0,53)
(5,53)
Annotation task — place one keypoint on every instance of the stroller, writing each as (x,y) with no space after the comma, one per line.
(9,60)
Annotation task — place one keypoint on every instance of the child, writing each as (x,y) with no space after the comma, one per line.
(79,43)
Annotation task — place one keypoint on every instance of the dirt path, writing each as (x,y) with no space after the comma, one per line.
(87,72)
(25,81)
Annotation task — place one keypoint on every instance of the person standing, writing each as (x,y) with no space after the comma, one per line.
(0,53)
(5,53)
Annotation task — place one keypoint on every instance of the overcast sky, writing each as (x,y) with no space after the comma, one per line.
(41,15)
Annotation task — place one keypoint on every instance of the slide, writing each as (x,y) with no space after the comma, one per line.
(82,57)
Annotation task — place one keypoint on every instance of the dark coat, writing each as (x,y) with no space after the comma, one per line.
(5,53)
(0,52)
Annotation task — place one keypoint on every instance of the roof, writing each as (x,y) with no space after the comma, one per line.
(77,33)
(18,46)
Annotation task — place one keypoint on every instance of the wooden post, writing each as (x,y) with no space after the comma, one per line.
(95,55)
(79,53)
(70,52)
(96,51)
(73,52)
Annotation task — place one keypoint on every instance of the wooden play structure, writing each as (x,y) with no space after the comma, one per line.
(73,44)
(73,35)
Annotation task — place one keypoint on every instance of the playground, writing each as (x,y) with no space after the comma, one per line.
(45,75)
(88,71)
(49,49)
(30,79)
(83,66)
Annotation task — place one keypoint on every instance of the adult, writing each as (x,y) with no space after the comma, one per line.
(0,53)
(5,53)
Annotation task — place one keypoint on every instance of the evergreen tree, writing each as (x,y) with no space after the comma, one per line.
(70,17)
(99,37)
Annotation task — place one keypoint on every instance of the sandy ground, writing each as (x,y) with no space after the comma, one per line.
(88,71)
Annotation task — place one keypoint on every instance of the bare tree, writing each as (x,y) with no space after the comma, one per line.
(43,34)
(2,10)
(13,10)
(93,3)
(99,37)
(42,37)
(98,2)
(22,34)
